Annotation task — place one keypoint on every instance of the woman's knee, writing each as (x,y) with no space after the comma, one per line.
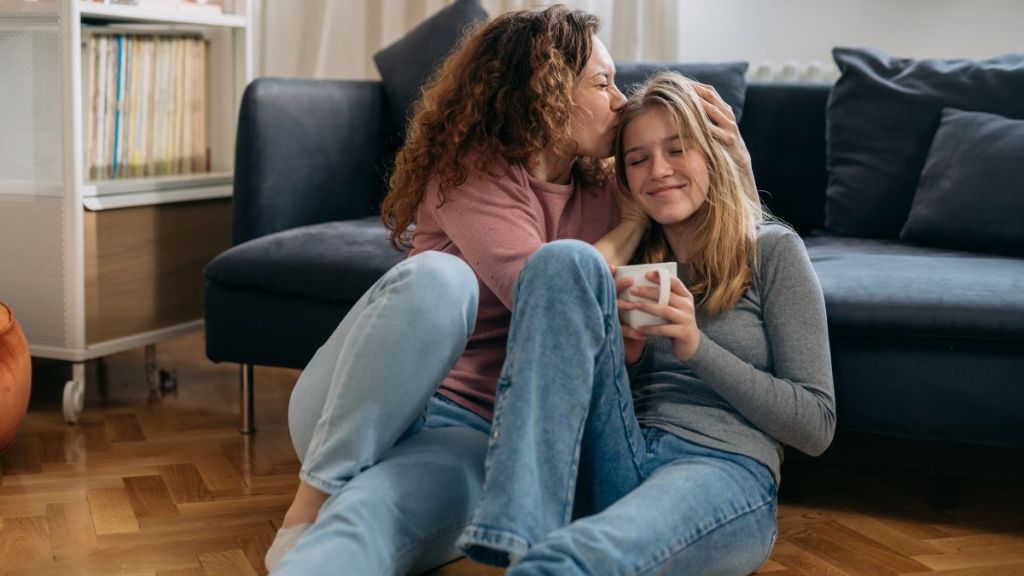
(440,282)
(442,273)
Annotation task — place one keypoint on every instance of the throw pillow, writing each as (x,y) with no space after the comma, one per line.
(406,64)
(971,194)
(728,78)
(882,115)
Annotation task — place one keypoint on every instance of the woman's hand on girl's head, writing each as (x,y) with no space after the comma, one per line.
(633,342)
(724,126)
(680,312)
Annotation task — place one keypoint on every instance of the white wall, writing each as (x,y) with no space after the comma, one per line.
(337,38)
(806,30)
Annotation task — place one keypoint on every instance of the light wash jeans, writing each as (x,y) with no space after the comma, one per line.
(403,467)
(566,444)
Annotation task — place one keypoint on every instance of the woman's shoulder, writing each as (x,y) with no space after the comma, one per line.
(482,175)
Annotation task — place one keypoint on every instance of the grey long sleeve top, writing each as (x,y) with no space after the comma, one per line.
(761,377)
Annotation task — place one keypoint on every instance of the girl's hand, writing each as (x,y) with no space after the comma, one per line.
(680,312)
(633,342)
(725,127)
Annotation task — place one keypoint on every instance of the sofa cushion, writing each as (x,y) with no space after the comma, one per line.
(882,116)
(971,194)
(728,78)
(333,261)
(406,64)
(886,288)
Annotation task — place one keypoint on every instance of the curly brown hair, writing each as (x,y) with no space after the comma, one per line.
(505,93)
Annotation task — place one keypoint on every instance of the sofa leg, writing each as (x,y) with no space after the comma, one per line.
(248,416)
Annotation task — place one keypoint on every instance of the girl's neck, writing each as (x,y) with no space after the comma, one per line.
(551,168)
(679,237)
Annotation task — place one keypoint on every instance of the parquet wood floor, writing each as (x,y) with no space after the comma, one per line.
(145,485)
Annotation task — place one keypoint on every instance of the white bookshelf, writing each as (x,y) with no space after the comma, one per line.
(57,228)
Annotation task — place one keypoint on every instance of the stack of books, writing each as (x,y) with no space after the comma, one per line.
(146,105)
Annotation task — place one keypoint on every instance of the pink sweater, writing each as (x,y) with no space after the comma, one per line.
(495,224)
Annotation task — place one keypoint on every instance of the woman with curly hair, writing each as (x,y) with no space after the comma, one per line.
(505,152)
(668,437)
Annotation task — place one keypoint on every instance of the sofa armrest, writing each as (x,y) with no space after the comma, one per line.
(307,151)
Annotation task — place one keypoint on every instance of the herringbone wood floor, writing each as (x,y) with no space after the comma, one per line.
(167,486)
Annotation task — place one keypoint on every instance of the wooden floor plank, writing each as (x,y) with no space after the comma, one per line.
(123,428)
(70,526)
(880,531)
(228,563)
(149,496)
(977,542)
(22,457)
(973,558)
(111,511)
(185,483)
(842,546)
(25,543)
(218,474)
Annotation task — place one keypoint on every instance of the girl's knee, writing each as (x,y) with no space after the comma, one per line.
(566,256)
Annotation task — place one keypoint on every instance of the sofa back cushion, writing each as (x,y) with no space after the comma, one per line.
(728,78)
(784,128)
(406,64)
(882,115)
(971,194)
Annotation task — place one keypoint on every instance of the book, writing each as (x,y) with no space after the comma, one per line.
(146,104)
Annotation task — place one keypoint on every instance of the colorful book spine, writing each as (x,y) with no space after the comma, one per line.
(147,104)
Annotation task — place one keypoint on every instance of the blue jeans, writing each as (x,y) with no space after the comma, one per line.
(404,469)
(566,443)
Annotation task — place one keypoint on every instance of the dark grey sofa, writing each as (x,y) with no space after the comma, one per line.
(926,343)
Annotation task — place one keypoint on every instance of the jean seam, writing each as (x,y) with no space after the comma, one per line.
(634,449)
(570,496)
(684,544)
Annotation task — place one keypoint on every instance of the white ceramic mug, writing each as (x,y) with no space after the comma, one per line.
(638,272)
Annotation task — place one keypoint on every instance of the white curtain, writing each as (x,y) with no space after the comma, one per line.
(337,38)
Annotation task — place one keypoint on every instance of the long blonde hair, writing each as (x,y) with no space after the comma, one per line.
(505,93)
(723,257)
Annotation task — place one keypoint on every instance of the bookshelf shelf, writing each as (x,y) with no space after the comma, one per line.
(123,13)
(156,184)
(95,267)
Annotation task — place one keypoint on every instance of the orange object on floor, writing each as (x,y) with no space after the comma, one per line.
(15,376)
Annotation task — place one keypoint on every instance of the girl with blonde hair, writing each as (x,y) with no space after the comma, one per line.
(672,469)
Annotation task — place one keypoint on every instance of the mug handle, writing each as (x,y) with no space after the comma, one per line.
(664,286)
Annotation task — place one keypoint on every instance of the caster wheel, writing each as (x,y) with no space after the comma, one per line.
(74,400)
(168,381)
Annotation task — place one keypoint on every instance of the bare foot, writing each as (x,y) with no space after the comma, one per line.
(305,507)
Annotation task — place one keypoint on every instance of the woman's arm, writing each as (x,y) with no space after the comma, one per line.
(621,242)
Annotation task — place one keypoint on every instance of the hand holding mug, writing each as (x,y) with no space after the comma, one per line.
(678,314)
